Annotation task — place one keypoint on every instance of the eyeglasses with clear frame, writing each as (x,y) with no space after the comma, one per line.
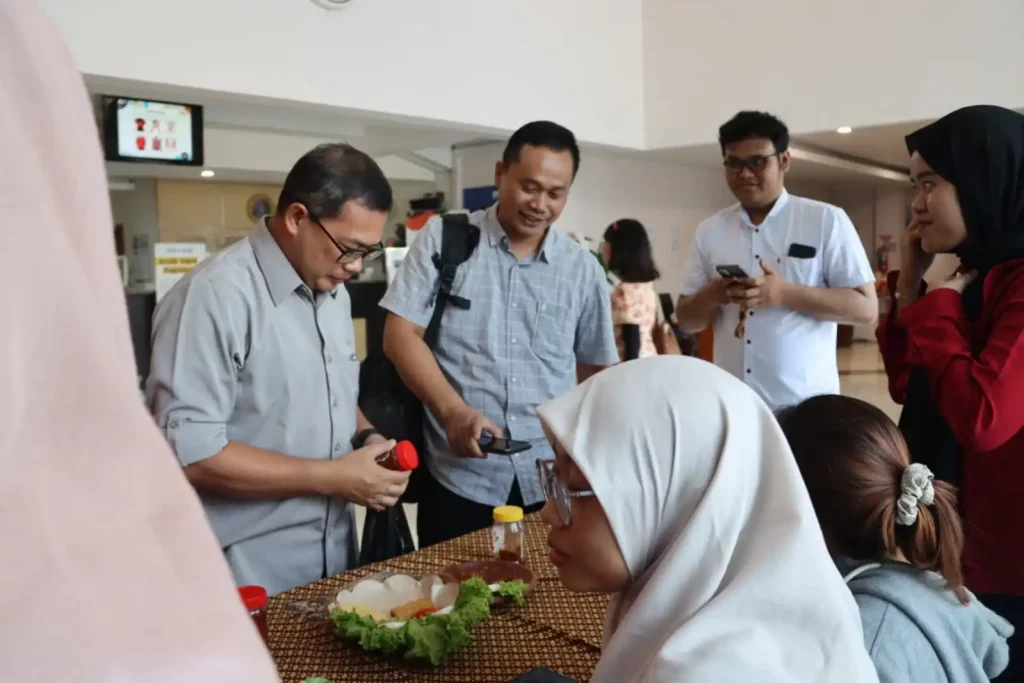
(556,490)
(349,255)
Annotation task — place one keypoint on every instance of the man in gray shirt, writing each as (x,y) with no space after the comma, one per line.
(539,314)
(254,377)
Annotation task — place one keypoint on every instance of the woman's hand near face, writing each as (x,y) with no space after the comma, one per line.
(914,263)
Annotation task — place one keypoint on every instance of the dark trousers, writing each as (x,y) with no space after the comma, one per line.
(1011,608)
(443,515)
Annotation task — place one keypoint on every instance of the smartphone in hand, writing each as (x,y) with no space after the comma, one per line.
(731,272)
(502,446)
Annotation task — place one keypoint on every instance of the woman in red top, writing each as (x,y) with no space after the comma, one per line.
(955,355)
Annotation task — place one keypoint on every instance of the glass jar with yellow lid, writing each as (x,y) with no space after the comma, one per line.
(507,533)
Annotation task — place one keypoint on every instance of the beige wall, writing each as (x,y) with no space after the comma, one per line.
(203,211)
(215,212)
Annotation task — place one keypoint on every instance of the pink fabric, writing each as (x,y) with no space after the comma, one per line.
(109,570)
(635,303)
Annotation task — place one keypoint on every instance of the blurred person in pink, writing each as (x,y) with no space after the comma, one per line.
(110,570)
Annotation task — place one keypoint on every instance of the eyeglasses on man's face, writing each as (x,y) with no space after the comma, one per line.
(350,255)
(556,490)
(756,163)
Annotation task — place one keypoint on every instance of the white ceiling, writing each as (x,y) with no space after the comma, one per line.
(879,144)
(395,138)
(258,141)
(374,134)
(803,170)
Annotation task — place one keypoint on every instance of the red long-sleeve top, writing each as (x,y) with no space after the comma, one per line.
(976,373)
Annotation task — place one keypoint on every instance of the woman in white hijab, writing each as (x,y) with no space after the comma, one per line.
(674,489)
(110,572)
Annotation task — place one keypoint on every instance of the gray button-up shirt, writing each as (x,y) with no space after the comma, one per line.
(243,351)
(517,346)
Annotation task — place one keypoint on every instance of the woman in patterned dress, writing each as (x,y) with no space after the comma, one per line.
(635,310)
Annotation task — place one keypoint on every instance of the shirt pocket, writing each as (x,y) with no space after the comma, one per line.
(803,271)
(554,333)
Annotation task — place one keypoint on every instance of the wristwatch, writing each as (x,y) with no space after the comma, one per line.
(359,440)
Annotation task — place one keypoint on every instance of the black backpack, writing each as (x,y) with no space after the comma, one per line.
(384,399)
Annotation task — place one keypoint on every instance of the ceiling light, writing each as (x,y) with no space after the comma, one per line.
(844,130)
(207,173)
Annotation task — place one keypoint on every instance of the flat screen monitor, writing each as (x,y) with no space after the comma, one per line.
(152,132)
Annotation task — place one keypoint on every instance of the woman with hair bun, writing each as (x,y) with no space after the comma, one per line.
(897,538)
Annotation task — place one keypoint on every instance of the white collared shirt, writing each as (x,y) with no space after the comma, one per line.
(785,356)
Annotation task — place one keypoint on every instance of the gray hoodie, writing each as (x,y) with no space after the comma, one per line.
(916,630)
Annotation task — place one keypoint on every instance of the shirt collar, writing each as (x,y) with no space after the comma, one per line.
(780,204)
(496,235)
(280,275)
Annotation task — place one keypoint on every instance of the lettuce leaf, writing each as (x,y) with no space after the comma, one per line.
(370,634)
(432,637)
(318,679)
(516,590)
(474,602)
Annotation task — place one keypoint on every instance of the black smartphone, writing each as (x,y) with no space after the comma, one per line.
(502,446)
(731,271)
(801,250)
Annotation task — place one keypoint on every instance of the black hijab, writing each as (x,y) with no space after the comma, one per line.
(980,150)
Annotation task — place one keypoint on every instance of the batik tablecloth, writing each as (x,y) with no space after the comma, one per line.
(555,629)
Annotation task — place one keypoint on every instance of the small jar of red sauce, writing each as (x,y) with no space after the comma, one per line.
(402,458)
(507,533)
(255,600)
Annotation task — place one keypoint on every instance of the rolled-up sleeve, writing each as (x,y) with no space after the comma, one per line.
(595,336)
(198,350)
(695,273)
(411,294)
(846,262)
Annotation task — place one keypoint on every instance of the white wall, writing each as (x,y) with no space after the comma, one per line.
(669,200)
(136,211)
(821,65)
(627,73)
(486,63)
(227,149)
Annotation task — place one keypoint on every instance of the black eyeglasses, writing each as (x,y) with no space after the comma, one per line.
(755,163)
(350,255)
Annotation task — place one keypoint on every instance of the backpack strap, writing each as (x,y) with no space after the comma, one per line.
(459,239)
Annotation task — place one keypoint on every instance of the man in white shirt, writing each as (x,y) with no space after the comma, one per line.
(804,270)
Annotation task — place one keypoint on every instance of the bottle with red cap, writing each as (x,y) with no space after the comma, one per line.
(255,600)
(402,458)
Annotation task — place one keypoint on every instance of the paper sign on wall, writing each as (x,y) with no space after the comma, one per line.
(173,260)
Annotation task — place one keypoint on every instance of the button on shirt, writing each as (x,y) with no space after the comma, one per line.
(243,351)
(516,347)
(785,356)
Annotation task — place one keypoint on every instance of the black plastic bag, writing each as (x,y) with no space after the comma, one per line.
(386,535)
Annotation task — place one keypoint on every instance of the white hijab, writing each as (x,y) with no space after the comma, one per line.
(109,570)
(732,581)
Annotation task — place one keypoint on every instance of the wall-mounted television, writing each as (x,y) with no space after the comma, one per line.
(152,132)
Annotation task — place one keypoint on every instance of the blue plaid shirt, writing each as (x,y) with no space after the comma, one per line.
(517,346)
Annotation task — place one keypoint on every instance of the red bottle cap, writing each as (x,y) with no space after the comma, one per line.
(406,456)
(253,597)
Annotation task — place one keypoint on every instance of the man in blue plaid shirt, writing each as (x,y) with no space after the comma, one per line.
(540,317)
